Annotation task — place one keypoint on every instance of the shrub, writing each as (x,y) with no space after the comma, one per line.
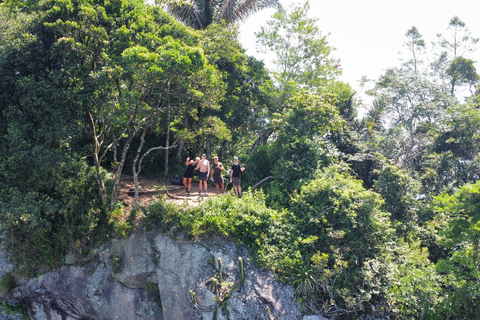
(7,283)
(399,191)
(43,222)
(163,215)
(335,246)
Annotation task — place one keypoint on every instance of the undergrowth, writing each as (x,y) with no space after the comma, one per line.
(324,246)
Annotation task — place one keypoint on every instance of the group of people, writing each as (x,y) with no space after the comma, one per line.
(215,173)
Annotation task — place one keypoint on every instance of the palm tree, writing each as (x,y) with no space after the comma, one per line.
(198,14)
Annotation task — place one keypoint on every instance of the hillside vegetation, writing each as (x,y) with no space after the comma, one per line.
(375,216)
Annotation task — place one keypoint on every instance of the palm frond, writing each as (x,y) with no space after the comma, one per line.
(226,10)
(249,7)
(199,14)
(374,118)
(186,12)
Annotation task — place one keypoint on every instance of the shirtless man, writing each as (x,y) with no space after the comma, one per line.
(204,169)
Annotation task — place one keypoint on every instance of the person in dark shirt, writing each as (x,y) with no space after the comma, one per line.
(216,174)
(188,175)
(235,177)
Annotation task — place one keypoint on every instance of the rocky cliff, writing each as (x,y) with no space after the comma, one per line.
(158,276)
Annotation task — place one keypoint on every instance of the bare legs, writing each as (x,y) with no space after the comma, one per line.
(204,182)
(188,185)
(238,190)
(222,185)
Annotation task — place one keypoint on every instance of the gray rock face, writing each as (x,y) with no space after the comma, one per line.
(136,263)
(314,318)
(151,276)
(85,293)
(180,267)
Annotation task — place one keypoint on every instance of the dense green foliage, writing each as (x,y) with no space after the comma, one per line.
(458,226)
(365,217)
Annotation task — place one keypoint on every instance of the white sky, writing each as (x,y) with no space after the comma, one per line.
(368,35)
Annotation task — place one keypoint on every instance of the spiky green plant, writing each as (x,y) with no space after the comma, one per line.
(193,297)
(7,282)
(214,285)
(240,267)
(220,270)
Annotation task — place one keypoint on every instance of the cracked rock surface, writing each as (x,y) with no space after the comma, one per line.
(150,276)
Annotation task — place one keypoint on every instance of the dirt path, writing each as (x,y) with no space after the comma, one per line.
(148,193)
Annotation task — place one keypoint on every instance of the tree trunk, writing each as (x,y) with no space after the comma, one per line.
(262,182)
(167,144)
(182,142)
(407,155)
(180,150)
(167,135)
(96,150)
(134,166)
(208,146)
(261,139)
(138,169)
(118,171)
(222,150)
(119,166)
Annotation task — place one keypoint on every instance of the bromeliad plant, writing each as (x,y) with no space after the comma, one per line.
(304,282)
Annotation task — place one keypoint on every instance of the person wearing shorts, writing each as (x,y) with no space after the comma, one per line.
(204,169)
(216,174)
(188,174)
(235,177)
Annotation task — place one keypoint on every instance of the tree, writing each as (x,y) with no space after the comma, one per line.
(340,226)
(199,14)
(462,71)
(400,192)
(48,202)
(457,223)
(452,160)
(411,102)
(298,143)
(461,41)
(301,54)
(415,44)
(247,102)
(162,83)
(406,281)
(105,73)
(159,73)
(460,45)
(126,74)
(421,109)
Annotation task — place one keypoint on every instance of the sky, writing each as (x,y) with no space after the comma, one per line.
(369,34)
